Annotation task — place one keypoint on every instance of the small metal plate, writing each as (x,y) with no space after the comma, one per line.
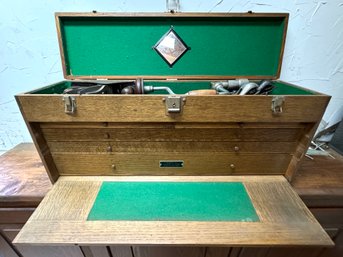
(171,47)
(171,164)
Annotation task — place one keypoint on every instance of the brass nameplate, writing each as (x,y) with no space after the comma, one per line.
(171,164)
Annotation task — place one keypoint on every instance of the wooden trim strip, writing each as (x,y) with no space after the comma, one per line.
(282,46)
(183,77)
(40,144)
(60,44)
(167,14)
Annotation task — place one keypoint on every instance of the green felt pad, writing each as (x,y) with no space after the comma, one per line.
(174,201)
(219,46)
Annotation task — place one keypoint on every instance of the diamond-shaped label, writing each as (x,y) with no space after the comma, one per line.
(171,47)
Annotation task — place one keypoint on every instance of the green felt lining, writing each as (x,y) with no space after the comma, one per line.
(220,46)
(173,201)
(182,87)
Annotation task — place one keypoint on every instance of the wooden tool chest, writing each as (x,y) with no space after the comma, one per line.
(88,140)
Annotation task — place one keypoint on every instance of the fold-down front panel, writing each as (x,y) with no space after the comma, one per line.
(273,214)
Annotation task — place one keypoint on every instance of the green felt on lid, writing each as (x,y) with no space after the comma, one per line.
(174,201)
(219,46)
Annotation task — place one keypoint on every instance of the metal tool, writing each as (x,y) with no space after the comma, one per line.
(265,87)
(229,87)
(248,89)
(242,87)
(150,89)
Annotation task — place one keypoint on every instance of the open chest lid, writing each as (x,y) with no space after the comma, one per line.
(165,45)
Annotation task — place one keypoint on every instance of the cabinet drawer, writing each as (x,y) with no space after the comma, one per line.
(11,231)
(15,215)
(171,147)
(149,163)
(329,217)
(172,134)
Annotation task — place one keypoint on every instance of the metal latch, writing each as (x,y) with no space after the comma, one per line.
(69,104)
(277,103)
(174,103)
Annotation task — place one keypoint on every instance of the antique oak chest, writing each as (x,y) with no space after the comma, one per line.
(162,135)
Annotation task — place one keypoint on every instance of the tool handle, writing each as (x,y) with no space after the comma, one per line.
(203,92)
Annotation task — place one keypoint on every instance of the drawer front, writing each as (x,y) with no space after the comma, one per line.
(203,149)
(165,134)
(15,215)
(10,231)
(170,147)
(149,163)
(329,217)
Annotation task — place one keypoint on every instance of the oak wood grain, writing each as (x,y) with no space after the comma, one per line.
(140,108)
(218,252)
(203,163)
(174,125)
(168,14)
(170,147)
(155,251)
(302,146)
(40,144)
(6,249)
(319,181)
(11,231)
(173,134)
(95,251)
(23,178)
(285,220)
(51,251)
(15,215)
(122,251)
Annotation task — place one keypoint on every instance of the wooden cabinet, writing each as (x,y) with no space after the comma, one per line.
(319,183)
(23,184)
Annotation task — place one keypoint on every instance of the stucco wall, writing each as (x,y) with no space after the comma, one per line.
(29,55)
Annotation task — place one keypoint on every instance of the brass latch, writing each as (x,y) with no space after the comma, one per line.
(174,103)
(69,104)
(277,103)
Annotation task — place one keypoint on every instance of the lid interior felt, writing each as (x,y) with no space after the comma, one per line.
(241,45)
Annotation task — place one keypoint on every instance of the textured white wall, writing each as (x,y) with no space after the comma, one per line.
(29,55)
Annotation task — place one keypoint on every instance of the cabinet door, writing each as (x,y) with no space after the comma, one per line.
(50,251)
(6,250)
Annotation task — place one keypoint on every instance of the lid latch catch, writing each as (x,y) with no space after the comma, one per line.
(174,103)
(69,104)
(277,104)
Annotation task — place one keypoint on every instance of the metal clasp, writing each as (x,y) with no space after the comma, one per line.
(174,103)
(277,103)
(69,104)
